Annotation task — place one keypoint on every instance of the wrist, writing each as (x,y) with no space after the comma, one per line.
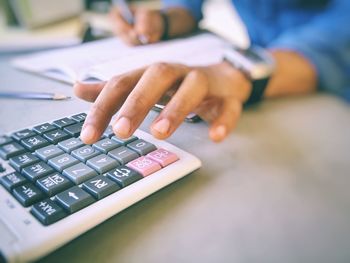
(240,82)
(165,25)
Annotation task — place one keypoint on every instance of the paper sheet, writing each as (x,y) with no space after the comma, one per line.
(106,58)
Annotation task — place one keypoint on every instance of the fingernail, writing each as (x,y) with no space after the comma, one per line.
(122,127)
(143,39)
(221,131)
(162,126)
(88,133)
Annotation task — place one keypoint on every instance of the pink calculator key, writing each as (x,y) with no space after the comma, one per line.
(144,165)
(162,156)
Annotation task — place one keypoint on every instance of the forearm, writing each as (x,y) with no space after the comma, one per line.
(294,75)
(181,21)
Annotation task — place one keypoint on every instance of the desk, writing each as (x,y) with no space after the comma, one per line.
(277,190)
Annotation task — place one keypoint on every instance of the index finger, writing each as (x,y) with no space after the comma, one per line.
(107,104)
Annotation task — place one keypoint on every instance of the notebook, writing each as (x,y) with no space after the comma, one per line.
(103,59)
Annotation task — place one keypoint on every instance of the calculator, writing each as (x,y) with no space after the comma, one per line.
(54,187)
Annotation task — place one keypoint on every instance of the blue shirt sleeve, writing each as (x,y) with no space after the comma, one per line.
(193,6)
(325,41)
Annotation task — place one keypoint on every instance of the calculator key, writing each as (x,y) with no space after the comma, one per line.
(45,127)
(20,135)
(123,154)
(102,163)
(74,199)
(74,130)
(144,165)
(56,136)
(124,141)
(47,212)
(34,143)
(108,133)
(2,168)
(100,186)
(12,180)
(105,145)
(85,153)
(48,152)
(124,176)
(70,144)
(142,147)
(23,160)
(79,117)
(62,162)
(61,123)
(5,140)
(11,149)
(27,194)
(53,184)
(163,157)
(35,171)
(79,173)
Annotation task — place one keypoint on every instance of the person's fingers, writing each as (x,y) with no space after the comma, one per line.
(88,91)
(189,95)
(157,79)
(107,104)
(122,28)
(147,26)
(227,119)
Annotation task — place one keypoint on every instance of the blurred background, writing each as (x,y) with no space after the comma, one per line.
(27,25)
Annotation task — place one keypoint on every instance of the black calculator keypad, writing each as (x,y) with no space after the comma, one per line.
(57,174)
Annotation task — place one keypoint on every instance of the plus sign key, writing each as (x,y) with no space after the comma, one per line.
(47,212)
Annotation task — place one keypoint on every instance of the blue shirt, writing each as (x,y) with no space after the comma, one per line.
(317,29)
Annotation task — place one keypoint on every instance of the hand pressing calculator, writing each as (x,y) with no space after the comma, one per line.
(54,187)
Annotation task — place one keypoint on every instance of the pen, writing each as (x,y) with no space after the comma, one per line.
(128,16)
(33,95)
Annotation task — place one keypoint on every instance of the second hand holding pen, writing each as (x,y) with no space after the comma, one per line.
(128,16)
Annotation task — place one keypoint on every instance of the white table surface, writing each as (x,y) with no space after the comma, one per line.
(277,190)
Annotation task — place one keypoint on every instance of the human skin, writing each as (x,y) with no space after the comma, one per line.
(216,92)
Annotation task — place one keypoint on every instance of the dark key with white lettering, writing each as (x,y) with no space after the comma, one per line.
(61,123)
(62,162)
(123,154)
(100,186)
(124,176)
(85,153)
(142,147)
(70,144)
(27,194)
(126,140)
(74,199)
(74,130)
(5,140)
(34,143)
(23,160)
(53,184)
(106,145)
(12,180)
(102,163)
(48,152)
(20,135)
(45,127)
(79,117)
(56,136)
(11,149)
(108,133)
(35,171)
(47,212)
